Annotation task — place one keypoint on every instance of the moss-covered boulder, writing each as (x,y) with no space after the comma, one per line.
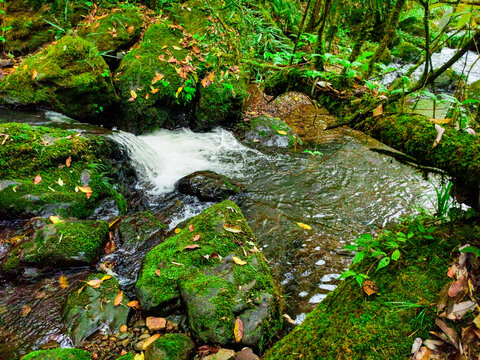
(179,76)
(350,325)
(46,171)
(66,243)
(113,30)
(205,265)
(207,186)
(267,132)
(170,347)
(58,354)
(91,306)
(70,77)
(405,51)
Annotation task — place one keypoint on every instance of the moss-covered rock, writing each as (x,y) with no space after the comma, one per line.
(214,278)
(67,243)
(113,30)
(170,347)
(90,307)
(350,325)
(405,51)
(58,354)
(473,90)
(70,77)
(207,186)
(30,151)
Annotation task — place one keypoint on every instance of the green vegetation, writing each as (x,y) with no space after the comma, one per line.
(170,347)
(58,354)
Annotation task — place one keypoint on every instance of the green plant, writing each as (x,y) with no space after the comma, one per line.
(443,202)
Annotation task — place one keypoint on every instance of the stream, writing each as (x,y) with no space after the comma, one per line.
(344,191)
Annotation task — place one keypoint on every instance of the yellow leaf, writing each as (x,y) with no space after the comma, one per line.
(304,226)
(123,328)
(150,340)
(238,330)
(139,357)
(154,91)
(232,228)
(55,219)
(440,121)
(80,290)
(113,222)
(106,277)
(118,299)
(63,282)
(177,48)
(133,94)
(86,190)
(147,96)
(158,77)
(134,304)
(239,261)
(34,73)
(378,111)
(94,283)
(281,132)
(179,90)
(177,230)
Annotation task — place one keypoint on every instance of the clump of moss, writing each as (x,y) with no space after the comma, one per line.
(70,76)
(171,347)
(209,279)
(118,30)
(58,354)
(30,151)
(351,325)
(405,51)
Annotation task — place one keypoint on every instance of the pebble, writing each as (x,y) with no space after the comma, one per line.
(156,323)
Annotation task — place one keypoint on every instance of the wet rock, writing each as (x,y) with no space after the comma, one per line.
(405,51)
(94,308)
(215,280)
(156,323)
(58,354)
(268,132)
(67,77)
(222,354)
(207,186)
(246,354)
(70,242)
(170,347)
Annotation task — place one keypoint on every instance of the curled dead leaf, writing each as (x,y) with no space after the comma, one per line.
(118,299)
(232,228)
(196,237)
(191,247)
(238,330)
(68,162)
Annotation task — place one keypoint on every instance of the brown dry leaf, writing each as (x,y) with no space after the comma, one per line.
(25,310)
(196,237)
(476,321)
(118,299)
(150,340)
(172,60)
(62,280)
(423,354)
(190,227)
(158,77)
(460,310)
(68,161)
(110,247)
(440,131)
(378,111)
(232,228)
(37,180)
(450,333)
(134,304)
(86,189)
(238,330)
(369,287)
(208,79)
(205,350)
(147,96)
(154,91)
(161,57)
(239,261)
(158,272)
(94,283)
(123,328)
(451,272)
(456,287)
(191,247)
(130,29)
(289,319)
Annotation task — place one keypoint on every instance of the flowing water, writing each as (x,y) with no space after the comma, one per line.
(347,190)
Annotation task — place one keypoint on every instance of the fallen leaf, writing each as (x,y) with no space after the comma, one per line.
(190,227)
(94,283)
(68,161)
(154,91)
(34,74)
(304,226)
(451,334)
(417,344)
(369,287)
(130,29)
(423,354)
(238,330)
(456,287)
(86,190)
(440,131)
(378,111)
(282,132)
(232,228)
(55,219)
(177,230)
(123,328)
(25,310)
(451,272)
(133,94)
(150,340)
(179,90)
(440,121)
(106,277)
(157,78)
(60,182)
(239,261)
(134,304)
(147,96)
(205,350)
(62,280)
(37,180)
(289,319)
(118,299)
(196,237)
(158,272)
(191,247)
(110,247)
(470,131)
(461,309)
(208,80)
(140,356)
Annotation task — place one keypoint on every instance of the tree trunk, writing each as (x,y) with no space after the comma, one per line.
(323,21)
(312,23)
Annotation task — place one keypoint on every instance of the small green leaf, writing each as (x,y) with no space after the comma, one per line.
(396,255)
(377,253)
(359,257)
(383,263)
(347,274)
(350,247)
(471,249)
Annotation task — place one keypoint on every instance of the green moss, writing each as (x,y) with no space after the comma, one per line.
(67,77)
(170,347)
(35,150)
(116,31)
(58,354)
(350,325)
(405,51)
(128,356)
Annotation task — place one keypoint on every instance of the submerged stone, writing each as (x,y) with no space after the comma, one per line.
(58,354)
(205,266)
(170,347)
(70,77)
(207,186)
(92,307)
(268,132)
